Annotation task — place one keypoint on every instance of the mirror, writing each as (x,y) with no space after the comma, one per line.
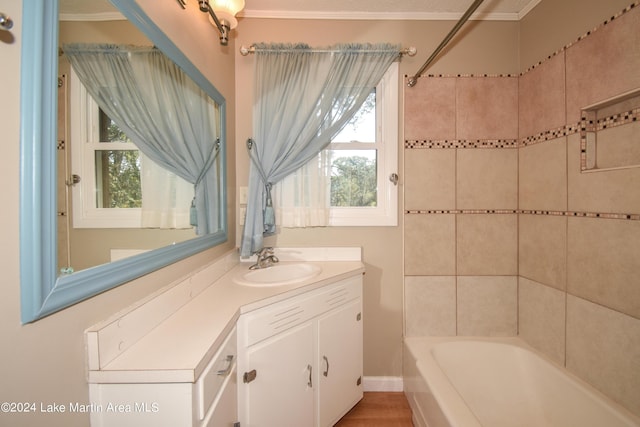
(42,290)
(96,230)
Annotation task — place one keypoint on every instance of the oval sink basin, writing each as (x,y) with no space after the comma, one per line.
(278,275)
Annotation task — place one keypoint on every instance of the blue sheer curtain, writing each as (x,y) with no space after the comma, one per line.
(302,97)
(169,118)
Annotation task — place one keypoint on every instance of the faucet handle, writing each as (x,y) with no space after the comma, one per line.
(264,252)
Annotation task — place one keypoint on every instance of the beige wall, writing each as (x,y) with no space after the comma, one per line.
(509,236)
(45,361)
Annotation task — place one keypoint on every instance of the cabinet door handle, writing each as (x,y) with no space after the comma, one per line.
(224,372)
(310,382)
(326,371)
(247,377)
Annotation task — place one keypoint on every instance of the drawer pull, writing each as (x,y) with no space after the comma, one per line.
(226,371)
(310,382)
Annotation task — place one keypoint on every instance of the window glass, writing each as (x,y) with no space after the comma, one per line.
(354,178)
(117,171)
(118,179)
(354,163)
(362,127)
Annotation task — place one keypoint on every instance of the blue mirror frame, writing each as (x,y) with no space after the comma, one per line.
(42,291)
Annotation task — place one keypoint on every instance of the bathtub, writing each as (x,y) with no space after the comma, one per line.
(469,382)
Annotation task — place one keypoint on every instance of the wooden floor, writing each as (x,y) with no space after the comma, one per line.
(379,409)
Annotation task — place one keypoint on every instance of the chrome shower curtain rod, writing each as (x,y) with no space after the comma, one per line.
(413,80)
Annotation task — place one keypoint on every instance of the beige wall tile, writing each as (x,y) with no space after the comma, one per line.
(602,191)
(487,108)
(429,179)
(430,305)
(542,182)
(600,66)
(541,97)
(487,305)
(603,262)
(541,318)
(429,245)
(487,244)
(429,109)
(603,347)
(542,249)
(487,178)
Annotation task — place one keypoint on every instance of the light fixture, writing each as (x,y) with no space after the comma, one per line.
(222,13)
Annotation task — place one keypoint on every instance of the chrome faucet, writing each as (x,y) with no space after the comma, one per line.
(266,258)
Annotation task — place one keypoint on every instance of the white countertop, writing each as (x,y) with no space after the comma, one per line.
(178,348)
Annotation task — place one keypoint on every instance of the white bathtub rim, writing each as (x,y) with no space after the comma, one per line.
(452,403)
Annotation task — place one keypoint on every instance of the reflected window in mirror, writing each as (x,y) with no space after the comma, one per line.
(119,186)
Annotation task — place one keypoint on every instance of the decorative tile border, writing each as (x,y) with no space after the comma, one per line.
(589,123)
(461,143)
(466,75)
(619,119)
(575,214)
(506,143)
(549,135)
(463,211)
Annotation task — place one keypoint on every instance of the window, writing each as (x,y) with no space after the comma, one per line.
(364,155)
(112,171)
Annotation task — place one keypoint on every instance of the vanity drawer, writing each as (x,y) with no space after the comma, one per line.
(268,321)
(213,376)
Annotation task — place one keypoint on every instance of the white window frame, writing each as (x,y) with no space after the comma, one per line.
(84,136)
(386,211)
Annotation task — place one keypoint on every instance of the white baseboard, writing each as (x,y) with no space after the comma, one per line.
(382,384)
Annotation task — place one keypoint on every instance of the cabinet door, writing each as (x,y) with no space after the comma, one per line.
(281,394)
(339,362)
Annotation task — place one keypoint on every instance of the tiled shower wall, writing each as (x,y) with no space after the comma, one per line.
(504,234)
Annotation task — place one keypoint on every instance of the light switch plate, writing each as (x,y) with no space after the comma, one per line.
(243,195)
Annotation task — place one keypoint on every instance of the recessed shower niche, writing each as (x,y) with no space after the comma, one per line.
(610,133)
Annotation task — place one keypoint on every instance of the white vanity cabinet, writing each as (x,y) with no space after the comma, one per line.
(300,360)
(180,357)
(210,401)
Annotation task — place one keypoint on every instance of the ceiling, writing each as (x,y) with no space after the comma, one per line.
(340,9)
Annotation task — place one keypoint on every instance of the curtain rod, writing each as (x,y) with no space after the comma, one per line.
(410,51)
(413,80)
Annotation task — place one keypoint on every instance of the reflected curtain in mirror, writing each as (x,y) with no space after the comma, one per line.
(302,98)
(170,119)
(166,198)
